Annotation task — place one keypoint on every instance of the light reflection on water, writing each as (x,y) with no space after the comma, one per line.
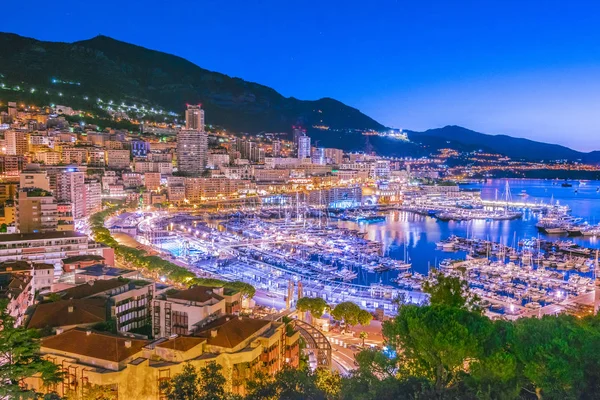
(421,233)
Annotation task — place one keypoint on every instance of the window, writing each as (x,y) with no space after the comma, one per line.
(179,322)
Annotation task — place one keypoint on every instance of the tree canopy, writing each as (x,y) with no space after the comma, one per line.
(20,358)
(351,314)
(315,305)
(206,383)
(450,291)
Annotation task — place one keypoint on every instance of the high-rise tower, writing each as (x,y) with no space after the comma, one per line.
(194,117)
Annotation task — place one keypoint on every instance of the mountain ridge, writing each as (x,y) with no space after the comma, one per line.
(103,67)
(513,147)
(108,68)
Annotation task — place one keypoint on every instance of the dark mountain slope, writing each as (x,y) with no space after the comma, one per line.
(109,69)
(516,148)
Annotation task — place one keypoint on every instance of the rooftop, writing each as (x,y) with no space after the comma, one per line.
(101,269)
(92,288)
(17,266)
(68,312)
(43,266)
(12,285)
(20,237)
(36,192)
(200,294)
(231,331)
(86,257)
(182,343)
(100,345)
(14,266)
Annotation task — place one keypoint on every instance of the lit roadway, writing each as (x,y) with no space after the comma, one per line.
(343,357)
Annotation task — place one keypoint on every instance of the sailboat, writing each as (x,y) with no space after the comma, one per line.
(403,265)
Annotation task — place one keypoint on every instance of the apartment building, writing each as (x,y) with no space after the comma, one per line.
(15,288)
(50,247)
(183,311)
(197,189)
(93,196)
(118,159)
(133,368)
(152,180)
(74,155)
(36,211)
(42,275)
(34,177)
(128,301)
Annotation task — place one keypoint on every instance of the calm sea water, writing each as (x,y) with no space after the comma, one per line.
(419,233)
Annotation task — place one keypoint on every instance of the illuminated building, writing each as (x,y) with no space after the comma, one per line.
(50,247)
(12,165)
(303,145)
(70,188)
(16,289)
(93,196)
(192,151)
(118,159)
(34,177)
(36,211)
(276,148)
(297,133)
(194,118)
(197,189)
(134,368)
(16,142)
(152,180)
(74,155)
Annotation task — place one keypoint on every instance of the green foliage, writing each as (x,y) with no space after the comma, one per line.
(103,123)
(94,392)
(106,326)
(371,361)
(206,383)
(351,314)
(363,335)
(450,291)
(437,341)
(21,359)
(292,384)
(315,305)
(554,352)
(329,382)
(183,386)
(212,383)
(53,297)
(362,385)
(446,350)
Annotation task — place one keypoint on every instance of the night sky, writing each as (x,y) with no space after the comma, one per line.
(525,68)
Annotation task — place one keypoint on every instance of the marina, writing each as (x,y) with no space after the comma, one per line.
(375,255)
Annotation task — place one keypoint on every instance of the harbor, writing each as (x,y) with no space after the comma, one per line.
(355,254)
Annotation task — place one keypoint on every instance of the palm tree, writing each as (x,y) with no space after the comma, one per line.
(363,335)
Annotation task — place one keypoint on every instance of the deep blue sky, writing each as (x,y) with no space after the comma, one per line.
(525,68)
